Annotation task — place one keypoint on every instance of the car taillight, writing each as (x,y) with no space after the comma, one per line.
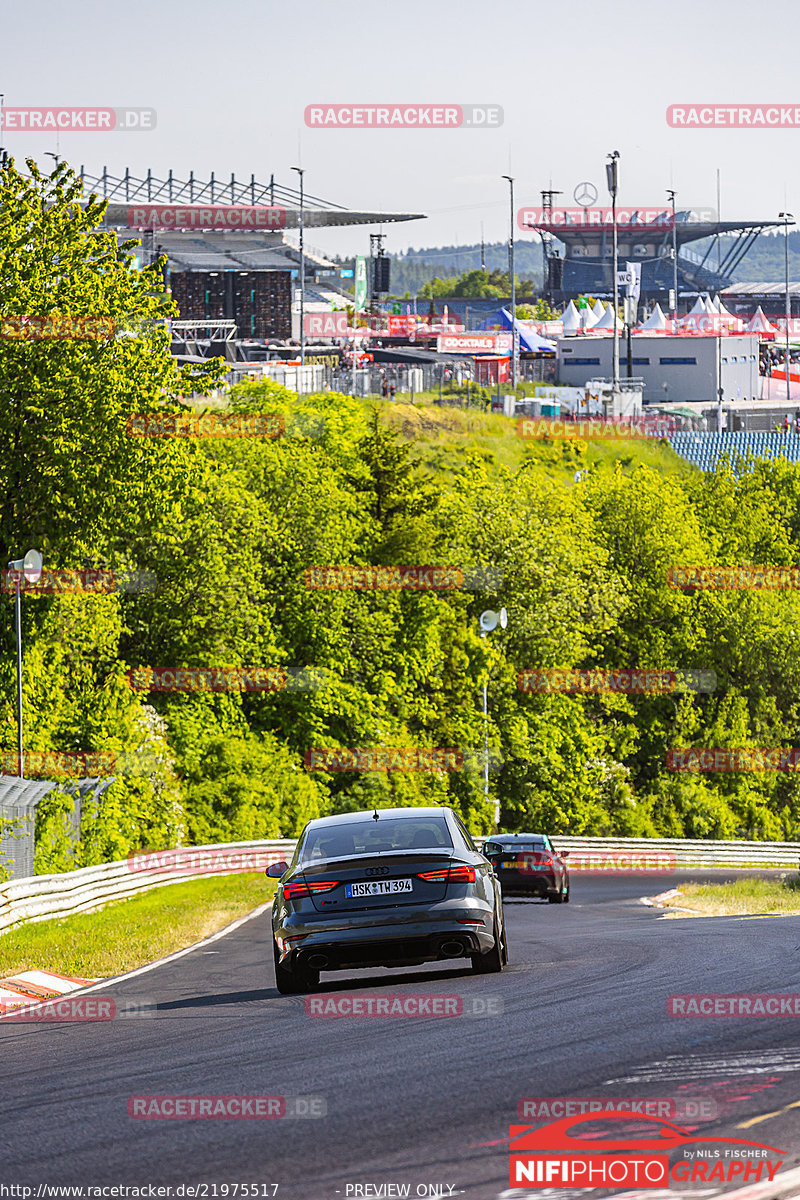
(309,887)
(460,874)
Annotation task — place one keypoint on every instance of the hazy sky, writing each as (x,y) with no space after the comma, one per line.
(230,84)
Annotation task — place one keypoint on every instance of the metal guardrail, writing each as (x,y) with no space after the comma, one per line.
(42,897)
(690,852)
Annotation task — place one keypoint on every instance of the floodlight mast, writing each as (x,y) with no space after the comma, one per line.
(31,567)
(612,175)
(787,218)
(488,621)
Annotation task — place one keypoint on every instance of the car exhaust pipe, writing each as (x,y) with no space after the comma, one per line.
(452,949)
(317,962)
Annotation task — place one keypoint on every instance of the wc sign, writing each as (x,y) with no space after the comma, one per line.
(325,325)
(631,279)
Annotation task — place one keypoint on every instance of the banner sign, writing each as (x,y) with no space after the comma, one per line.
(361,283)
(474,343)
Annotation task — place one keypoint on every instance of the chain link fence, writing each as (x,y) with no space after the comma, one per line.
(19,799)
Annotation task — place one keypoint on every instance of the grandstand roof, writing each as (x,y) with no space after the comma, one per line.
(685,231)
(126,191)
(761,289)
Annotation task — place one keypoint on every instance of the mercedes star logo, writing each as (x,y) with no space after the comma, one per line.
(585,194)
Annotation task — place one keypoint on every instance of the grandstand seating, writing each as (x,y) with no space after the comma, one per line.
(704,450)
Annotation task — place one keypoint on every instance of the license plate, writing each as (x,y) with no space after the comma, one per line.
(508,866)
(380,887)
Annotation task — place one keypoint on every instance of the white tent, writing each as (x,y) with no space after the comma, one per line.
(607,320)
(699,307)
(571,319)
(589,318)
(599,309)
(656,321)
(723,312)
(759,324)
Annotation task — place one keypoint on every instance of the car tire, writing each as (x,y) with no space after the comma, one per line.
(566,895)
(495,959)
(290,981)
(555,897)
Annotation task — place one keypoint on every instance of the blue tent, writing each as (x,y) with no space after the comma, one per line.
(529,340)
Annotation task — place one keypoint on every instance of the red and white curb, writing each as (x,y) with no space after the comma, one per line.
(21,989)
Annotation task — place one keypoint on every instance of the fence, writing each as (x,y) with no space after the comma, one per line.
(44,896)
(19,799)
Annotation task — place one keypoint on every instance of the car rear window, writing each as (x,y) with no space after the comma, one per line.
(375,837)
(513,847)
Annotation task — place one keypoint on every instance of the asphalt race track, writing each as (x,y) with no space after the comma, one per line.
(424,1101)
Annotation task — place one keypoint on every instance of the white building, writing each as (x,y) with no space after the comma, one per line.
(675,370)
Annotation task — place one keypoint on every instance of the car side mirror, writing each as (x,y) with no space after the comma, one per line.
(563,853)
(275,870)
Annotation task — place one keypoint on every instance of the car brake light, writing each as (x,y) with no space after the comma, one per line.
(308,887)
(460,874)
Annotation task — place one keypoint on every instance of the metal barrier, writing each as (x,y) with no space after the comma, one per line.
(44,896)
(690,852)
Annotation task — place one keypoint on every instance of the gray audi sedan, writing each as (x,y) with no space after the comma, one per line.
(395,887)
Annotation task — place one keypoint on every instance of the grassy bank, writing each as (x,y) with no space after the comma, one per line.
(741,897)
(129,933)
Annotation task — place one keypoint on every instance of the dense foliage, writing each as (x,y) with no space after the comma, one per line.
(229,527)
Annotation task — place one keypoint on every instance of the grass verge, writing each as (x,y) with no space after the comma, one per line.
(741,897)
(126,934)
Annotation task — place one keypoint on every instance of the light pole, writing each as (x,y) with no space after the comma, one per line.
(513,286)
(612,176)
(787,217)
(671,198)
(31,567)
(301,173)
(489,620)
